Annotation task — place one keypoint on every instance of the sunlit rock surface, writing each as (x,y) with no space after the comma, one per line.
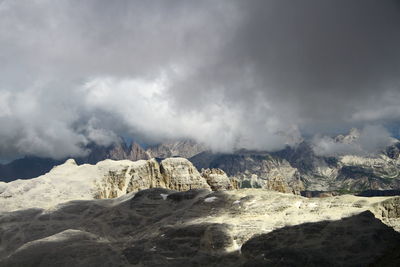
(106,179)
(247,227)
(218,180)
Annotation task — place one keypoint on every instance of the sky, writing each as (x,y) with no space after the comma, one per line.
(257,74)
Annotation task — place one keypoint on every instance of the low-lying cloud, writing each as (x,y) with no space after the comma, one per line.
(370,140)
(229,74)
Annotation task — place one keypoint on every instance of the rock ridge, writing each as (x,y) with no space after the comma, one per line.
(107,179)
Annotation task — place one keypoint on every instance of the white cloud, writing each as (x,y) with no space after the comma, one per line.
(143,106)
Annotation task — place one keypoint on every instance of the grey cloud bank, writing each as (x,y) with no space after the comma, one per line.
(231,74)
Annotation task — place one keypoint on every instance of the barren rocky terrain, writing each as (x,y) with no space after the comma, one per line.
(248,227)
(167,213)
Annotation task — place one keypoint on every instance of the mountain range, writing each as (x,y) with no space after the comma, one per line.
(31,166)
(294,169)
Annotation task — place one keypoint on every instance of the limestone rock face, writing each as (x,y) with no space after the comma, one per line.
(136,176)
(218,180)
(180,174)
(172,173)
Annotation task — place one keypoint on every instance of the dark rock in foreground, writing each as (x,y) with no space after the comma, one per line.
(162,227)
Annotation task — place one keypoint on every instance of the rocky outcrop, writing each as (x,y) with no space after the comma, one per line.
(389,212)
(180,174)
(134,176)
(248,227)
(171,173)
(218,180)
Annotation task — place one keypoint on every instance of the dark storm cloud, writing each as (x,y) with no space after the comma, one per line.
(230,74)
(324,60)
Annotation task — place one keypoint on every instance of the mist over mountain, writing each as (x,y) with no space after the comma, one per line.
(325,164)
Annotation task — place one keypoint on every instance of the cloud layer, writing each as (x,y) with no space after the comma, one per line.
(369,141)
(231,74)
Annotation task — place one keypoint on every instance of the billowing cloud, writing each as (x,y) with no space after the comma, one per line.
(230,74)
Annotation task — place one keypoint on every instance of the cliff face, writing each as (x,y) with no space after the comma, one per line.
(180,174)
(132,176)
(172,173)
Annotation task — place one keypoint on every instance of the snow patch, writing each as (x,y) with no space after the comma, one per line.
(164,196)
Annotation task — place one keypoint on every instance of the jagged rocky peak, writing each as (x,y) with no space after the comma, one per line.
(181,148)
(180,174)
(116,151)
(136,152)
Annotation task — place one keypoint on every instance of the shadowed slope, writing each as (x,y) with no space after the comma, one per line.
(359,240)
(161,227)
